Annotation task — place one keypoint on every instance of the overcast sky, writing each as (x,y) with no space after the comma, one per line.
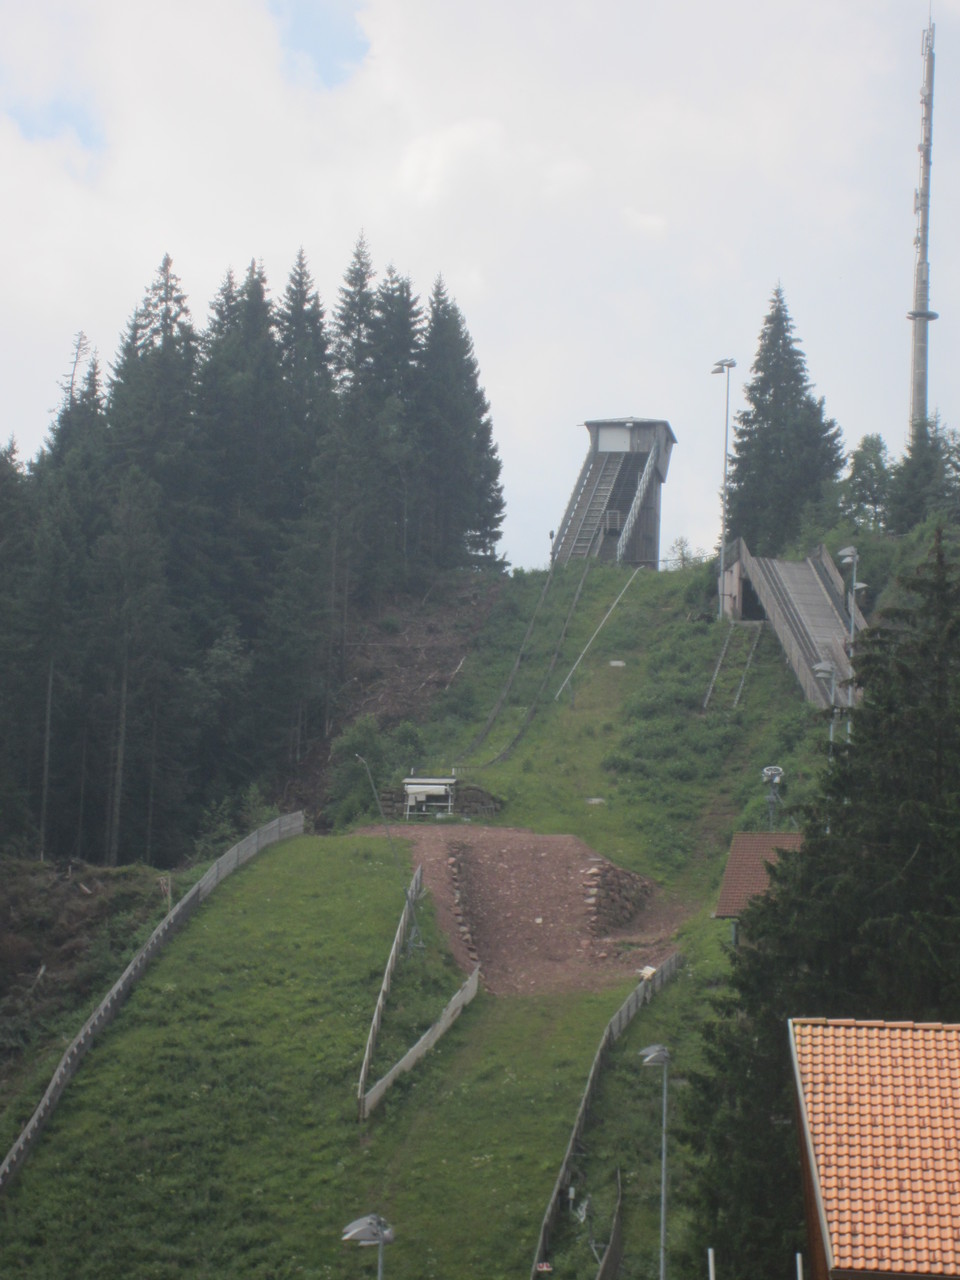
(610,189)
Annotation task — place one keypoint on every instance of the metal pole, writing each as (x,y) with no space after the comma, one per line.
(921,315)
(724,366)
(853,624)
(663,1180)
(711,1267)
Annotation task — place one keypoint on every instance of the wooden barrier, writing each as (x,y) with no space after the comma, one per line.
(426,1042)
(281,828)
(416,888)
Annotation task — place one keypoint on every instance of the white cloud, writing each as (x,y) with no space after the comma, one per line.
(610,190)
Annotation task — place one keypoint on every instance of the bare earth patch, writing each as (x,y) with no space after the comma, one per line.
(518,903)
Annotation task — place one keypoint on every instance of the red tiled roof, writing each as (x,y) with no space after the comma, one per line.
(746,875)
(881,1108)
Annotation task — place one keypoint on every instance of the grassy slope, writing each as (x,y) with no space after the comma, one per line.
(214,1129)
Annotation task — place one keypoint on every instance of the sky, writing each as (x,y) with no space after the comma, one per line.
(610,189)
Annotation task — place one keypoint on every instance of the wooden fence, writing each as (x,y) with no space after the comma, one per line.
(416,888)
(641,994)
(281,828)
(423,1045)
(613,1254)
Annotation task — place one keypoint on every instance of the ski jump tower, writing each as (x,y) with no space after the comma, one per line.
(614,510)
(921,315)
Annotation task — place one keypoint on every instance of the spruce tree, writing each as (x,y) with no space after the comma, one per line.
(461,498)
(786,452)
(866,488)
(863,922)
(925,483)
(306,379)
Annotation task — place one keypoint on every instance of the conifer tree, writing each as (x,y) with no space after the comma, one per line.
(866,489)
(306,378)
(863,922)
(353,320)
(925,483)
(785,452)
(461,506)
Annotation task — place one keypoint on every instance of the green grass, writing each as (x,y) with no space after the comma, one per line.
(213,1131)
(624,1128)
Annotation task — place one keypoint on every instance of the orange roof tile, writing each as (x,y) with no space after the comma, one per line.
(881,1112)
(747,875)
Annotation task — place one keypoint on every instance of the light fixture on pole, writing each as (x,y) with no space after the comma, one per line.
(848,555)
(772,776)
(722,366)
(370,1230)
(828,671)
(658,1055)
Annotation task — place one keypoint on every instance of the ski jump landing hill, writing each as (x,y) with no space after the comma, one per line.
(805,603)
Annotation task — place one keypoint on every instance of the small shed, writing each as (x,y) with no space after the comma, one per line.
(428,797)
(747,874)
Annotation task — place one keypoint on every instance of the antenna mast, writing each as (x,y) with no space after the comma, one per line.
(921,314)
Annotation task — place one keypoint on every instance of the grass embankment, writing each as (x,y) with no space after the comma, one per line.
(65,937)
(214,1130)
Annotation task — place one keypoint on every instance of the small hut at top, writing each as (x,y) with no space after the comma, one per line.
(614,510)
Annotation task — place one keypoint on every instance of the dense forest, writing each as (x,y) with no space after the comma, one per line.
(182,561)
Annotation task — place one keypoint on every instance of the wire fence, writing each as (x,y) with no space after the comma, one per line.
(642,994)
(281,828)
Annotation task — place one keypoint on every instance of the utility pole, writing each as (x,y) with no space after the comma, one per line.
(921,315)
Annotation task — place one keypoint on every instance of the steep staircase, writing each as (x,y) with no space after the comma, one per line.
(586,512)
(804,603)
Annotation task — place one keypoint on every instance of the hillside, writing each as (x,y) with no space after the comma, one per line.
(214,1131)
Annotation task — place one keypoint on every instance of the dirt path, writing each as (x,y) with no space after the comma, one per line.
(520,904)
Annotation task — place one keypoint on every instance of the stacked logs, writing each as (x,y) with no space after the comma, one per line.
(613,895)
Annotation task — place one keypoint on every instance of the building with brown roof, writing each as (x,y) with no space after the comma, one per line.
(879,1116)
(747,873)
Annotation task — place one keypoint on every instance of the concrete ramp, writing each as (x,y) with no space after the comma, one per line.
(804,603)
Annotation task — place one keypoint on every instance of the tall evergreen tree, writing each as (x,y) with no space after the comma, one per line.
(785,451)
(247,457)
(863,922)
(396,346)
(353,321)
(15,522)
(150,410)
(306,378)
(925,483)
(866,489)
(461,498)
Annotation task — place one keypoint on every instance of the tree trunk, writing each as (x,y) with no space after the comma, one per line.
(113,842)
(45,787)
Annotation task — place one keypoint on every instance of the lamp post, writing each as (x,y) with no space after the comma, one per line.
(824,671)
(658,1055)
(722,366)
(848,555)
(370,1230)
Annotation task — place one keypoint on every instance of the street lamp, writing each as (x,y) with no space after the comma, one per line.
(370,1230)
(824,671)
(848,555)
(658,1055)
(720,367)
